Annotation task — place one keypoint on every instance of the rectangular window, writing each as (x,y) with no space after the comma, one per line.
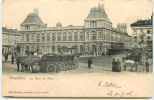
(27,27)
(48,36)
(43,38)
(53,48)
(38,37)
(70,36)
(87,36)
(59,36)
(53,37)
(75,36)
(99,35)
(32,37)
(27,37)
(81,36)
(94,37)
(64,36)
(93,24)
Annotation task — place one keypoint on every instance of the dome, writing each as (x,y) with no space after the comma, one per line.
(97,12)
(32,18)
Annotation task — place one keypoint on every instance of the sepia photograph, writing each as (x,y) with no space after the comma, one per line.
(77,48)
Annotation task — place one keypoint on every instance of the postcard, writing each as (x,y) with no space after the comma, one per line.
(77,48)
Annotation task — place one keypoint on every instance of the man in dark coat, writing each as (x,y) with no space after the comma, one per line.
(6,57)
(18,64)
(147,66)
(89,63)
(113,64)
(12,59)
(118,69)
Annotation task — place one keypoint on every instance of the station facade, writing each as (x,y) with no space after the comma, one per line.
(95,37)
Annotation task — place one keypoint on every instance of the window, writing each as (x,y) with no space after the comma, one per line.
(59,36)
(148,37)
(75,36)
(64,36)
(53,37)
(27,37)
(48,36)
(81,36)
(87,36)
(93,24)
(32,37)
(148,31)
(104,35)
(53,48)
(38,37)
(81,49)
(70,36)
(43,38)
(99,35)
(27,27)
(94,37)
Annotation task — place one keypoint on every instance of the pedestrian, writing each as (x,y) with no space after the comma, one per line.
(12,59)
(147,66)
(76,61)
(118,67)
(89,63)
(113,64)
(6,57)
(136,66)
(18,64)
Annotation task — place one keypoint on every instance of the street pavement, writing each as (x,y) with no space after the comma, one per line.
(100,64)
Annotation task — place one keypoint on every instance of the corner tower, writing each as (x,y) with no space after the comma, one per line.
(97,18)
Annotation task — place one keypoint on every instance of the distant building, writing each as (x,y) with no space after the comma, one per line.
(122,27)
(10,39)
(95,37)
(143,32)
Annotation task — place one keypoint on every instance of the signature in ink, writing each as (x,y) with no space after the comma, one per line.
(108,84)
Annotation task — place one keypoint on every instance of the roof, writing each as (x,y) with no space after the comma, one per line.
(32,18)
(9,30)
(97,12)
(142,23)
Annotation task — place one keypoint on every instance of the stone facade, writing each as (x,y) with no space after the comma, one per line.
(143,32)
(10,39)
(95,37)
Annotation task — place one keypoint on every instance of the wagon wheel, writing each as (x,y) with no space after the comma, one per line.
(51,68)
(57,68)
(35,68)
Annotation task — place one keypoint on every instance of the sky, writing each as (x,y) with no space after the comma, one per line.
(73,12)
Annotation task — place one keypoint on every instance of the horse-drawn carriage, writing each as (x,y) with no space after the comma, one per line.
(48,63)
(56,63)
